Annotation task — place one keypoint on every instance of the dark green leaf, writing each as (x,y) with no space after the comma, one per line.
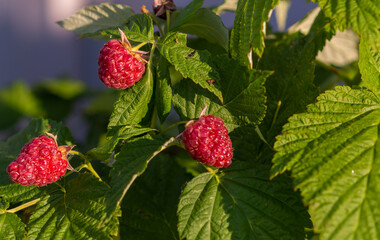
(11,227)
(103,153)
(149,208)
(196,65)
(243,94)
(14,193)
(163,89)
(291,86)
(20,98)
(63,87)
(139,28)
(241,203)
(369,63)
(186,14)
(75,213)
(333,153)
(132,105)
(96,18)
(130,163)
(206,24)
(249,28)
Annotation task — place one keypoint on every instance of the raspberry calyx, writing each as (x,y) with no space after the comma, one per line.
(120,66)
(207,141)
(40,162)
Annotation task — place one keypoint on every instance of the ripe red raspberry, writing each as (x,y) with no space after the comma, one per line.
(208,142)
(40,162)
(120,66)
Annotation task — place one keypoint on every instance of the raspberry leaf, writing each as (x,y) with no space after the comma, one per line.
(132,105)
(11,227)
(369,64)
(163,89)
(332,151)
(249,28)
(103,153)
(362,16)
(196,65)
(186,14)
(130,163)
(243,94)
(151,203)
(75,213)
(241,203)
(92,20)
(206,24)
(291,86)
(15,193)
(139,28)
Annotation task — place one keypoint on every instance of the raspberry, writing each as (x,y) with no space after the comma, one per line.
(208,142)
(40,162)
(120,67)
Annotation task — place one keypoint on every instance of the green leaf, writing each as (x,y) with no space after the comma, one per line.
(241,203)
(243,94)
(362,16)
(192,64)
(333,153)
(11,227)
(149,208)
(64,88)
(186,14)
(20,98)
(74,213)
(163,89)
(10,149)
(103,153)
(291,86)
(16,101)
(130,163)
(14,193)
(369,63)
(139,28)
(132,105)
(249,28)
(206,24)
(96,18)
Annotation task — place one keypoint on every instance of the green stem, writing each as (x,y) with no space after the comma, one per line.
(87,164)
(81,155)
(135,48)
(276,113)
(23,206)
(173,125)
(151,15)
(167,20)
(257,129)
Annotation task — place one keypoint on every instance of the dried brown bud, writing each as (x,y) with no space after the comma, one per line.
(160,7)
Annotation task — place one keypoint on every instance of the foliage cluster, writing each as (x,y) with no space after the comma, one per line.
(306,153)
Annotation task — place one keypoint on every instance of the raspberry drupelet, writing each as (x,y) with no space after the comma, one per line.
(40,162)
(120,66)
(207,141)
